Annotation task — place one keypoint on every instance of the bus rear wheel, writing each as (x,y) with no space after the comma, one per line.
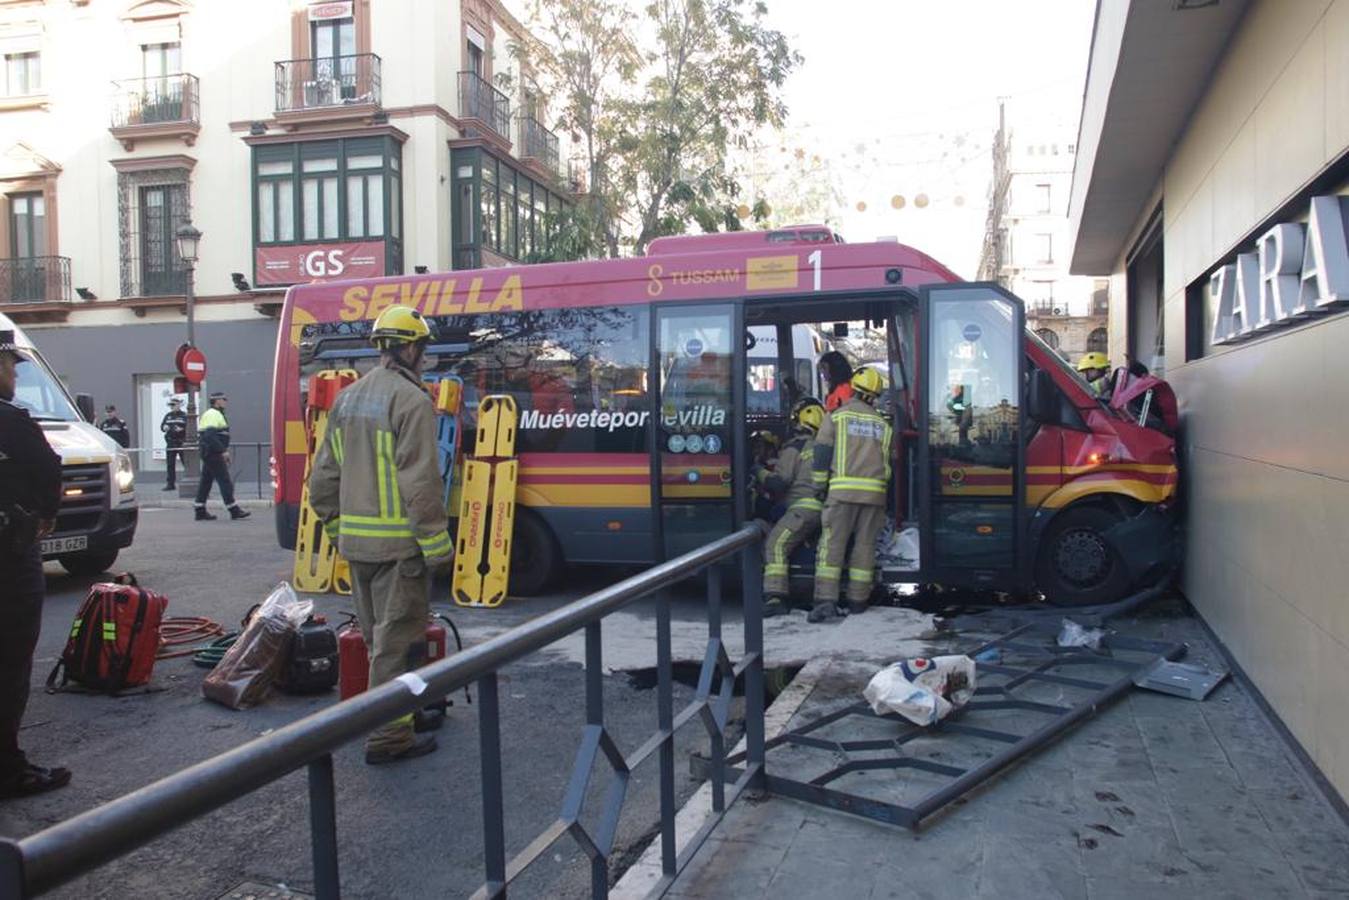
(1077,565)
(536,559)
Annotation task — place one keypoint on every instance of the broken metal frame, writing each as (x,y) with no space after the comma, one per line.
(817,791)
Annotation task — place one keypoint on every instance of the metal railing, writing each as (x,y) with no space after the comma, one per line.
(538,142)
(156,101)
(479,100)
(1046,308)
(144,461)
(330,81)
(54,856)
(35,279)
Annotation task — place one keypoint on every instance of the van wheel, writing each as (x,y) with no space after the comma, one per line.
(89,562)
(536,560)
(1077,566)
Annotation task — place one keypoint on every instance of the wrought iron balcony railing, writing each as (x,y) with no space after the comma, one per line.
(479,100)
(303,84)
(537,142)
(166,100)
(35,279)
(1045,308)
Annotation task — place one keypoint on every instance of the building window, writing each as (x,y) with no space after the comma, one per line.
(318,192)
(23,74)
(1049,336)
(501,210)
(27,225)
(151,206)
(160,60)
(1098,341)
(1044,248)
(1043,199)
(333,45)
(346,189)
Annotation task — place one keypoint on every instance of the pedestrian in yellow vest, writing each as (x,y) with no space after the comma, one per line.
(852,458)
(793,484)
(376,487)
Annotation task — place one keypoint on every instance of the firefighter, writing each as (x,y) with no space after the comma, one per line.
(793,484)
(174,428)
(837,373)
(213,443)
(376,487)
(30,494)
(851,459)
(1095,366)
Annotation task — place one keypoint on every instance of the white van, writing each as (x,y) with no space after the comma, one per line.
(98,487)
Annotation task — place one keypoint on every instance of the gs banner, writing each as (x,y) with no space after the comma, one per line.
(303,263)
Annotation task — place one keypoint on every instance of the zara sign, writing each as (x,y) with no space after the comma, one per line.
(1296,272)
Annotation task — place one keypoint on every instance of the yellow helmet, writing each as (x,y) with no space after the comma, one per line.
(808,413)
(868,382)
(399,325)
(1093,360)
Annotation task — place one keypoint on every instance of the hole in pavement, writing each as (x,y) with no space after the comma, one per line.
(686,673)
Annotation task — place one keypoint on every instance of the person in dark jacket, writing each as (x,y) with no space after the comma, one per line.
(213,442)
(174,428)
(837,372)
(30,494)
(114,426)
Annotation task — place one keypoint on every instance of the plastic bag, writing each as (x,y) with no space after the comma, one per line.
(246,673)
(1074,635)
(897,548)
(922,690)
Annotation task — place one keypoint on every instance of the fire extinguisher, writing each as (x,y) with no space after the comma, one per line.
(354,662)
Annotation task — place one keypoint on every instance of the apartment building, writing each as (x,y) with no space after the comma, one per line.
(1026,237)
(305,140)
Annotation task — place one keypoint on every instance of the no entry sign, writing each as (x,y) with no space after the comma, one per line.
(191,363)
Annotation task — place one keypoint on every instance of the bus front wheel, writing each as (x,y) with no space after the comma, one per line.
(1077,565)
(536,560)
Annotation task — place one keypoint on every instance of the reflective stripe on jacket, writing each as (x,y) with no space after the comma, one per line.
(376,482)
(852,454)
(793,482)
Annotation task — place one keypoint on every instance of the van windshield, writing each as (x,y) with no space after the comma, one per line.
(40,393)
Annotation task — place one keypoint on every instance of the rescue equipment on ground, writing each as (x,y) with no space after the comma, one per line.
(447,393)
(174,631)
(924,691)
(318,568)
(482,563)
(114,638)
(354,660)
(312,664)
(255,661)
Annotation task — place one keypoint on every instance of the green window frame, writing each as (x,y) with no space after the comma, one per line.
(327,191)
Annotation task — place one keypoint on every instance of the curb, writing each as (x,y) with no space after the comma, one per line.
(641,878)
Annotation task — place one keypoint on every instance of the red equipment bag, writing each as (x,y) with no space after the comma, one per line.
(114,638)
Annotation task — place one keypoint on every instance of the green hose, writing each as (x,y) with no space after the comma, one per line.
(208,655)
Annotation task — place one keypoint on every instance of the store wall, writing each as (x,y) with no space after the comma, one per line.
(1266,423)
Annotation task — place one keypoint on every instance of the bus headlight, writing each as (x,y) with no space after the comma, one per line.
(126,476)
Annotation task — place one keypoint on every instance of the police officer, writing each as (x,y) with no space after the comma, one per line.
(30,493)
(376,487)
(114,426)
(174,428)
(1095,366)
(852,457)
(793,484)
(213,442)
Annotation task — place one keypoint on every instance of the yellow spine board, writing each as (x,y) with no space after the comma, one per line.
(475,486)
(497,577)
(313,551)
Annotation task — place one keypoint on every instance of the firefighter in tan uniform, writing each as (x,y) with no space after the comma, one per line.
(852,458)
(376,486)
(792,483)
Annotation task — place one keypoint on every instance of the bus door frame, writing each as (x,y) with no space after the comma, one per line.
(1014,575)
(736,416)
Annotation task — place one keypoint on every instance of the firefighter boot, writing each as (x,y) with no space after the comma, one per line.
(775,606)
(421,745)
(238,512)
(203,515)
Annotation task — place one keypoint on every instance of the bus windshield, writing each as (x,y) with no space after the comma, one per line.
(1063,365)
(40,393)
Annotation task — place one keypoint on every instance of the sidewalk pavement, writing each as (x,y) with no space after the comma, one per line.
(151,495)
(1156,796)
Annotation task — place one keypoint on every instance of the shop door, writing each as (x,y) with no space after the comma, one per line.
(971,455)
(698,400)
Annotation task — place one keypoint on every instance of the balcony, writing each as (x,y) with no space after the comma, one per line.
(1046,309)
(35,279)
(538,144)
(479,100)
(166,107)
(328,88)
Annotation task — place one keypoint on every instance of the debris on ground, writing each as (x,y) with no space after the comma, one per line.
(923,691)
(1074,635)
(1179,679)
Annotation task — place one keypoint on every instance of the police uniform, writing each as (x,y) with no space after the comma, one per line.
(852,457)
(114,426)
(30,492)
(376,487)
(174,428)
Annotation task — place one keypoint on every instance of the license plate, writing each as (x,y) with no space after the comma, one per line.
(65,544)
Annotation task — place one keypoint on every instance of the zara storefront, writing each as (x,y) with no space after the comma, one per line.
(1212,187)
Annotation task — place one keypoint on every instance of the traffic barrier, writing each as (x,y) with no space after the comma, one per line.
(318,569)
(482,564)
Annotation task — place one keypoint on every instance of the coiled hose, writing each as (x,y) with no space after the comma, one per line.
(178,630)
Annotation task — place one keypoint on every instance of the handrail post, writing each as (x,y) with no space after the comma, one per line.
(323,828)
(752,580)
(493,815)
(665,724)
(11,870)
(599,864)
(717,739)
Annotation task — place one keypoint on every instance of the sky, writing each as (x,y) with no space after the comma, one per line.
(900,98)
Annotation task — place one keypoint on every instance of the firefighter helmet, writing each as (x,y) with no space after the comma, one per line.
(868,382)
(399,325)
(808,413)
(1093,360)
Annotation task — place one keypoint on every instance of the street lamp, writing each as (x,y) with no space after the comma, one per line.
(188,238)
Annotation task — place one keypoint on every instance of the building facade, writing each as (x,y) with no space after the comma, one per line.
(306,140)
(1026,237)
(1212,188)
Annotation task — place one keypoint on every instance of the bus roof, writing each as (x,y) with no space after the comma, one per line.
(705,268)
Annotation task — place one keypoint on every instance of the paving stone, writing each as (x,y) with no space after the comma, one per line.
(1310,836)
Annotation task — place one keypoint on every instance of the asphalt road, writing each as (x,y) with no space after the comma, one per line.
(408,831)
